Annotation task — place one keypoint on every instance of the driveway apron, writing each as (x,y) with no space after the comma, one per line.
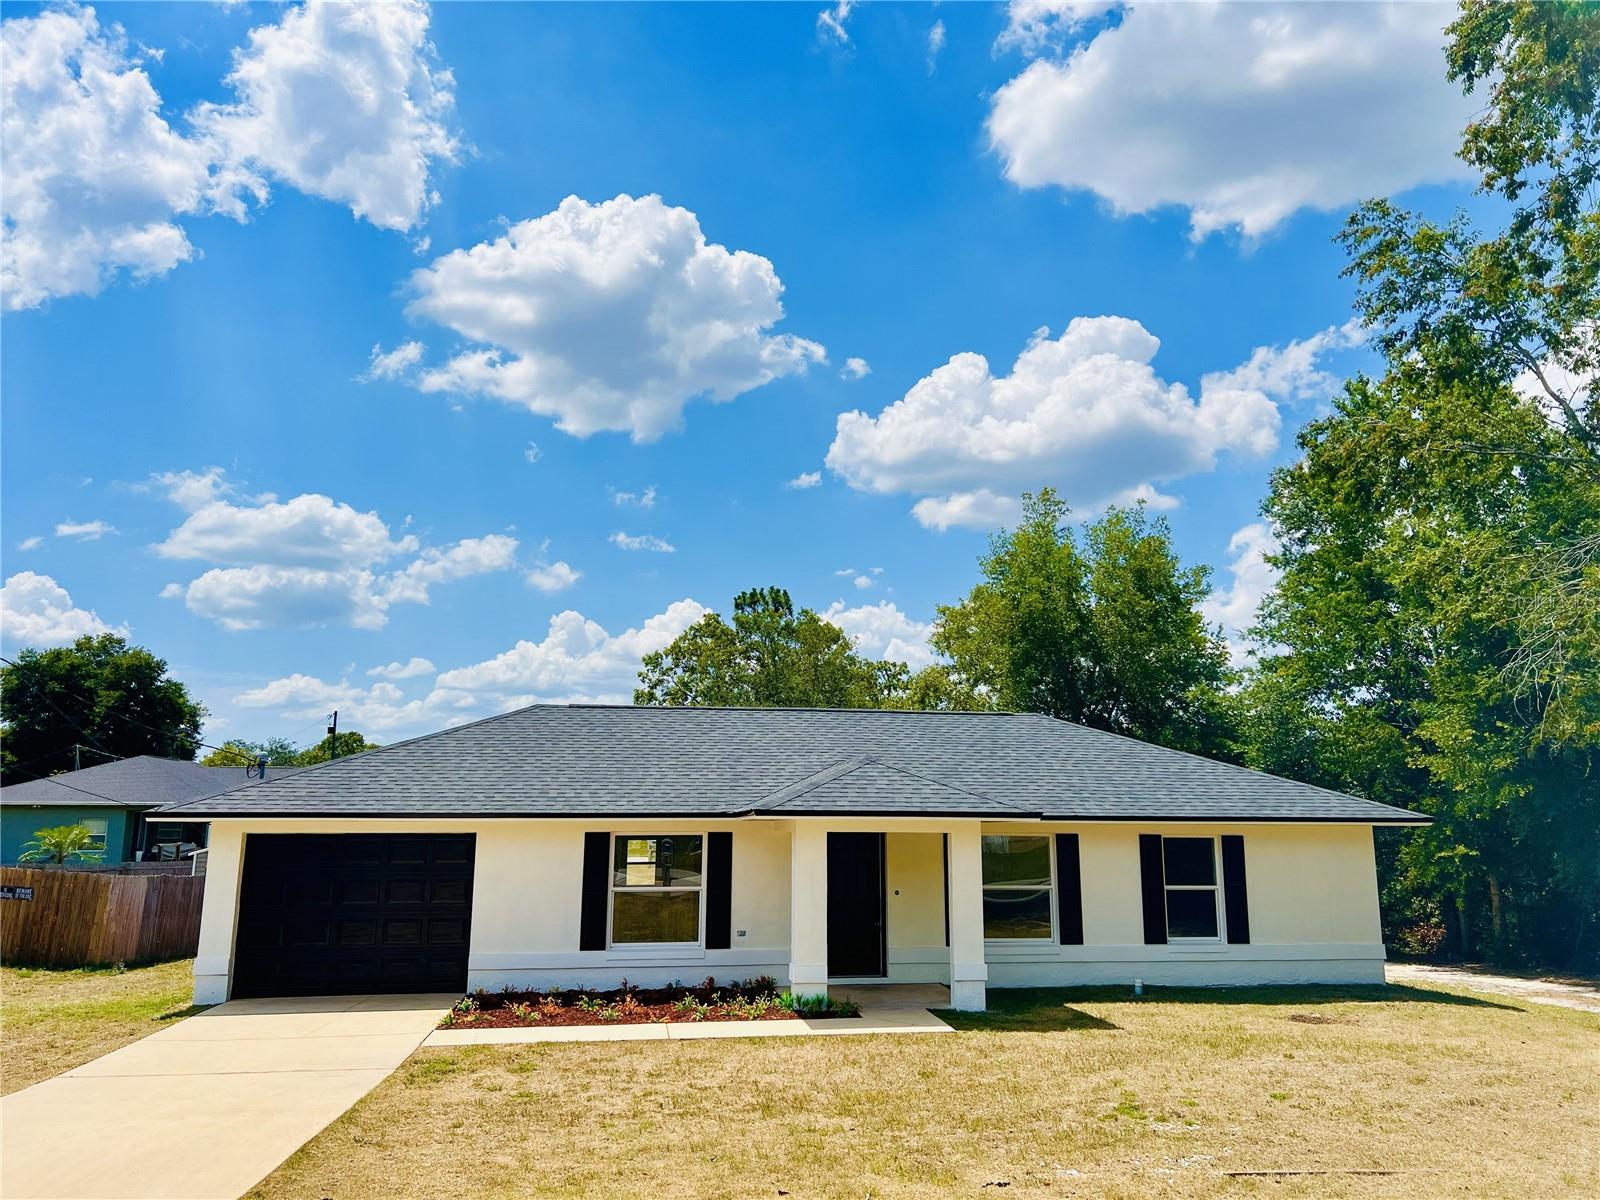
(206,1109)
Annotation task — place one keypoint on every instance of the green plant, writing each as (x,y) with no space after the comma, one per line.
(818,1006)
(61,844)
(467,1004)
(589,1004)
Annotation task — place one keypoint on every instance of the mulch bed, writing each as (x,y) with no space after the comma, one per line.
(751,1000)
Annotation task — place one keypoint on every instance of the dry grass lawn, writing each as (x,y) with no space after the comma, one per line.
(54,1020)
(1361,1092)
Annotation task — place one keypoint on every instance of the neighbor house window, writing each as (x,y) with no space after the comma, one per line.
(1190,865)
(1016,887)
(655,888)
(97,832)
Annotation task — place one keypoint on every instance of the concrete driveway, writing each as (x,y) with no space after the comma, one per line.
(204,1110)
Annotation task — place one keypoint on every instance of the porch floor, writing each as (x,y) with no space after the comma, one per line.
(885,1008)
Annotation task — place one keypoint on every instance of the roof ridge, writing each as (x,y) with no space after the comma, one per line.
(807,784)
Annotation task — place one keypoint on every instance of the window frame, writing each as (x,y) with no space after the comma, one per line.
(1049,889)
(612,888)
(104,833)
(1214,887)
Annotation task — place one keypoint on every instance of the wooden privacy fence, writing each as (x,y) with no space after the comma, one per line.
(81,918)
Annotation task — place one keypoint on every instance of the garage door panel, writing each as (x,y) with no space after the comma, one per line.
(337,913)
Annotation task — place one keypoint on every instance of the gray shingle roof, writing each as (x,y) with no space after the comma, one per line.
(144,781)
(610,761)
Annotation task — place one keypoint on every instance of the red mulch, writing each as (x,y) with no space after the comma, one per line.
(621,1006)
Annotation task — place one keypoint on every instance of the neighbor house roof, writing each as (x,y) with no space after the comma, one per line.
(620,761)
(143,781)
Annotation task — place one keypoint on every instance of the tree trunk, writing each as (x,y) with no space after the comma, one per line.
(1496,921)
(1463,926)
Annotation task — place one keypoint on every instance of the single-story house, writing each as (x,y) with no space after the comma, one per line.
(581,845)
(114,800)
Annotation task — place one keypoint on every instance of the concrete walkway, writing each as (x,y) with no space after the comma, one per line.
(1575,994)
(885,1008)
(207,1108)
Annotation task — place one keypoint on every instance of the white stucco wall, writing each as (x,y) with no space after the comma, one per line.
(1313,907)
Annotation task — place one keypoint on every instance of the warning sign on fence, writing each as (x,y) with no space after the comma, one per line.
(9,892)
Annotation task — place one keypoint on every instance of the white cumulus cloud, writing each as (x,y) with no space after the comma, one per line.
(855,368)
(882,631)
(35,610)
(806,479)
(1251,578)
(610,316)
(94,174)
(382,706)
(553,577)
(403,670)
(1239,113)
(342,101)
(306,561)
(576,654)
(1085,412)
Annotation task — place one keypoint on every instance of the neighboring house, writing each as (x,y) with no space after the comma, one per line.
(112,799)
(581,845)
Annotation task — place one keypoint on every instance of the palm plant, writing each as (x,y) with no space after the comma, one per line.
(61,844)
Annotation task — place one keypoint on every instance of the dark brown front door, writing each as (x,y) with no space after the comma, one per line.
(335,914)
(856,905)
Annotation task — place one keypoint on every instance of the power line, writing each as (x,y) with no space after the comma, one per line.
(124,717)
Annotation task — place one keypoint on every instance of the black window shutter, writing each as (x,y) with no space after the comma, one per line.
(1069,890)
(719,891)
(1152,885)
(596,866)
(1235,898)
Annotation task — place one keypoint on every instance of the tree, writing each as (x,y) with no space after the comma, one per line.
(99,691)
(1524,299)
(1403,564)
(1439,610)
(281,752)
(771,656)
(61,844)
(236,752)
(1106,632)
(349,742)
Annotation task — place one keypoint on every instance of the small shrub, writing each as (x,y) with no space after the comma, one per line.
(467,1004)
(1421,939)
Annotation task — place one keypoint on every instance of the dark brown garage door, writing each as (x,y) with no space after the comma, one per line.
(333,914)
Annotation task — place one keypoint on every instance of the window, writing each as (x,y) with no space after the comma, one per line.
(655,889)
(165,832)
(1190,866)
(1016,887)
(97,832)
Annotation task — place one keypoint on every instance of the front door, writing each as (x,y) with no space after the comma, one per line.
(855,905)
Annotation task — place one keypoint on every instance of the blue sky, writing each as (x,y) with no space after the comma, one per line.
(311,366)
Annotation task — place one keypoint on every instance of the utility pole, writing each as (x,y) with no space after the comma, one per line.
(75,763)
(333,735)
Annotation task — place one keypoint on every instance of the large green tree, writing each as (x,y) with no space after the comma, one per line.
(1105,630)
(771,655)
(99,692)
(1437,625)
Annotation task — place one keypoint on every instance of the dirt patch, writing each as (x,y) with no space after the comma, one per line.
(1318,1019)
(750,1000)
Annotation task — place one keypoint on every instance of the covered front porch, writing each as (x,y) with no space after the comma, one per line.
(892,900)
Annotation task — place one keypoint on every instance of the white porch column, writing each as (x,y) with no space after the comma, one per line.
(969,973)
(808,909)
